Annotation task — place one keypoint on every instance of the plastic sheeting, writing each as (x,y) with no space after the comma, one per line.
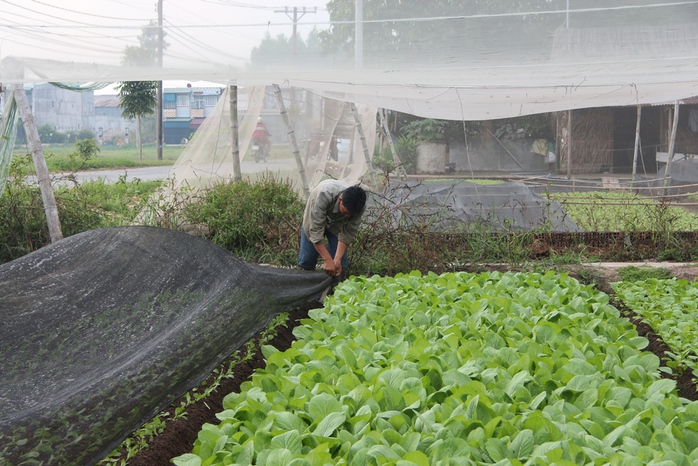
(459,206)
(102,330)
(9,120)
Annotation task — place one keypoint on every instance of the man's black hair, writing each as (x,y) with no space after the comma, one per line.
(354,199)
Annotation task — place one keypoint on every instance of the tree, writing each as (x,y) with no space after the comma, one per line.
(434,32)
(278,51)
(138,98)
(145,54)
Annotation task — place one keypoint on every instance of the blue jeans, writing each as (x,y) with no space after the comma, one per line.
(307,259)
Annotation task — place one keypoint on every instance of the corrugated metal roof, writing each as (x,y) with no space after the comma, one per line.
(107,101)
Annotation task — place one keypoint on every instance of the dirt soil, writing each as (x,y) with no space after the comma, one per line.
(179,435)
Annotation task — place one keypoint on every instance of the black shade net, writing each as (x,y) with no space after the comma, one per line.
(102,330)
(458,204)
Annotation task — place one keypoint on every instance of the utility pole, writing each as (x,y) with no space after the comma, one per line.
(158,120)
(295,19)
(359,35)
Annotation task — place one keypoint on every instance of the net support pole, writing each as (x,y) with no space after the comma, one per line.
(233,97)
(389,137)
(292,136)
(637,141)
(569,143)
(672,143)
(364,145)
(37,150)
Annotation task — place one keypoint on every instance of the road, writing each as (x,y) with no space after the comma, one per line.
(160,173)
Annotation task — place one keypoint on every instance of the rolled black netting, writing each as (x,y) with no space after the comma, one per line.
(102,330)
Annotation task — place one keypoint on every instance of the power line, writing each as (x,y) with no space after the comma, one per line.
(83,13)
(295,18)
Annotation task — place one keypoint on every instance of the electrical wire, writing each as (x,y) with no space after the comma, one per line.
(89,14)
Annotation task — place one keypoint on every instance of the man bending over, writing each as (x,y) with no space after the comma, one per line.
(333,211)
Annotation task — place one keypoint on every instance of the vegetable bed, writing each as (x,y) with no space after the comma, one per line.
(670,307)
(461,368)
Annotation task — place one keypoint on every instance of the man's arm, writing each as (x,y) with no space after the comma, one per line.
(341,250)
(329,264)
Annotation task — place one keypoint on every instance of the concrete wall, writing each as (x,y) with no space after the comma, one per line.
(66,111)
(512,155)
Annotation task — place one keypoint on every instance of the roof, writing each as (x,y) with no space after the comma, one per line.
(193,90)
(107,101)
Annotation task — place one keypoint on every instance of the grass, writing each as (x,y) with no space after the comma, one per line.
(633,273)
(612,211)
(58,157)
(109,157)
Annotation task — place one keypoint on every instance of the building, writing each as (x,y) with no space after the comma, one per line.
(66,111)
(108,124)
(184,109)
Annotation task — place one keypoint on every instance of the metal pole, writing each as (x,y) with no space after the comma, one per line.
(359,35)
(569,143)
(158,119)
(237,173)
(637,141)
(672,143)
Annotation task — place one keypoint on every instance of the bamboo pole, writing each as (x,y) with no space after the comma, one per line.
(37,150)
(233,96)
(292,135)
(396,157)
(672,143)
(637,141)
(364,144)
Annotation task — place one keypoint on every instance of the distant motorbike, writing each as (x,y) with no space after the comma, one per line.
(260,151)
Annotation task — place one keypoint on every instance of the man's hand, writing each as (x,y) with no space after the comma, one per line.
(331,268)
(337,267)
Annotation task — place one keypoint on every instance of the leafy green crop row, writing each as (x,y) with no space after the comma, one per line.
(459,369)
(670,308)
(615,211)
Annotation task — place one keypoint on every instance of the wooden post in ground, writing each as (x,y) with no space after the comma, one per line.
(292,135)
(237,172)
(37,151)
(364,145)
(389,137)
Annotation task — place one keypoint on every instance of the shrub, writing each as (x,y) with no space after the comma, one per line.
(255,220)
(89,206)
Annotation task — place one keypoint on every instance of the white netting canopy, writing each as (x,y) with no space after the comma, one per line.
(460,60)
(337,65)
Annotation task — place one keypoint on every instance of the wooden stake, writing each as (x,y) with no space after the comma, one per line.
(237,172)
(367,155)
(396,157)
(37,150)
(292,135)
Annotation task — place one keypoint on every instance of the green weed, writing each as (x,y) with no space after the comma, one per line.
(633,273)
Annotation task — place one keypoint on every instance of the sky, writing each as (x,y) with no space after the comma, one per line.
(196,30)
